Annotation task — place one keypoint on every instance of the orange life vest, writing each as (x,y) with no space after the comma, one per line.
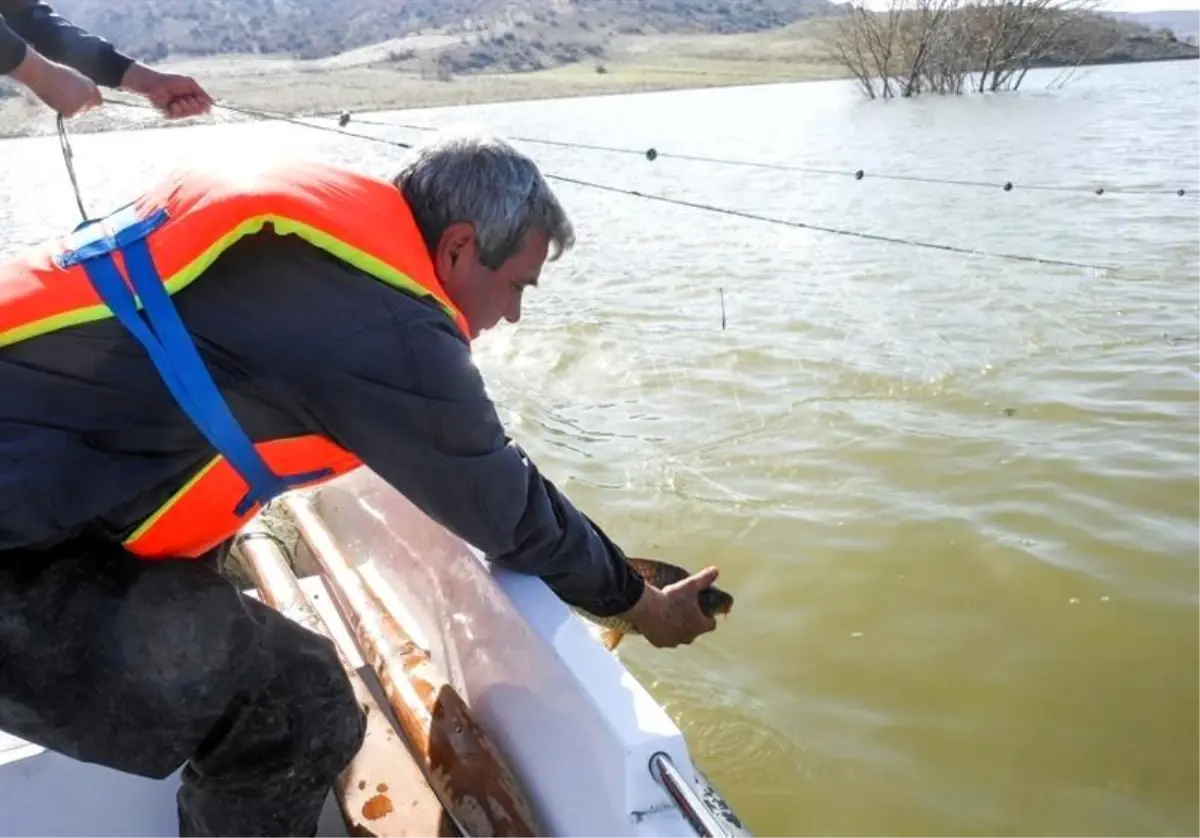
(164,241)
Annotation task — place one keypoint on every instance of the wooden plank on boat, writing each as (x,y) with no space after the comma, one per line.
(468,772)
(383,791)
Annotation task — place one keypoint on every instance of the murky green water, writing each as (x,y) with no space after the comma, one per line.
(956,497)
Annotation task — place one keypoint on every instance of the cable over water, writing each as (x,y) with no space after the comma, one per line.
(800,225)
(653,154)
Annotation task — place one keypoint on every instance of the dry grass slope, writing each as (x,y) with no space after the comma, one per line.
(154,29)
(441,39)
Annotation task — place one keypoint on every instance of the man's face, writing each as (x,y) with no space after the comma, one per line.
(483,295)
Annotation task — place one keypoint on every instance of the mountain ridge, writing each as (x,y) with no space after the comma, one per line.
(1184,24)
(156,29)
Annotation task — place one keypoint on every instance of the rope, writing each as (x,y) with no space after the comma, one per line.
(800,225)
(653,154)
(271,115)
(68,158)
(267,115)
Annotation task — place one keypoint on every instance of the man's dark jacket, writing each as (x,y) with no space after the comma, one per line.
(91,441)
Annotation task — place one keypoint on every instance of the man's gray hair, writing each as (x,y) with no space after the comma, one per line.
(482,180)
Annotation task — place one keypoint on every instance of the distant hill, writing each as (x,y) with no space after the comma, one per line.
(1183,24)
(445,39)
(155,29)
(1104,39)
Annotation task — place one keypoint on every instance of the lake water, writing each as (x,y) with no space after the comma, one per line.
(956,497)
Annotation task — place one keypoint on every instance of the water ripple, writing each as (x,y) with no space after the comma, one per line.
(956,497)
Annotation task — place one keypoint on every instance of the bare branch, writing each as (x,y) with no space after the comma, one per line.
(941,46)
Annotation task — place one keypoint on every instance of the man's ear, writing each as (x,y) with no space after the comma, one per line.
(457,241)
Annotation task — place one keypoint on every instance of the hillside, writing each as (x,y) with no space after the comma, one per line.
(1183,24)
(611,46)
(444,39)
(1103,39)
(155,29)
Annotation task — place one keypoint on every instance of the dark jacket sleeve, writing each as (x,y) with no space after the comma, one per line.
(32,22)
(408,400)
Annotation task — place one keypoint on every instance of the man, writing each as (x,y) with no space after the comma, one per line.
(333,312)
(62,65)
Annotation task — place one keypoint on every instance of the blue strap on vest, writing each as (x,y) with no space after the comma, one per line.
(168,343)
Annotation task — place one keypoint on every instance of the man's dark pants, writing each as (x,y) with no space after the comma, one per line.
(145,665)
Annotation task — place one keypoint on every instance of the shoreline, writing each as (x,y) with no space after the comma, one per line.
(315,90)
(312,93)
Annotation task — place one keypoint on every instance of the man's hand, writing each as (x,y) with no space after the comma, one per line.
(177,96)
(62,88)
(672,616)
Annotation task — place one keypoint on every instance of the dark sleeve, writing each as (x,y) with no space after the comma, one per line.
(12,47)
(32,22)
(408,400)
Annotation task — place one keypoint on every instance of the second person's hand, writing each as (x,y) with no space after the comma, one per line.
(176,96)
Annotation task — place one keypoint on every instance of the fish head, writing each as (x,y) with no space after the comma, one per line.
(714,601)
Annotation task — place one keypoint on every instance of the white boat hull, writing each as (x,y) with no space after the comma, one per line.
(576,726)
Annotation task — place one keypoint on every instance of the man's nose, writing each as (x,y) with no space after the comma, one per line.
(513,314)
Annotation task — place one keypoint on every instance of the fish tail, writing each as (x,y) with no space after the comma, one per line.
(611,637)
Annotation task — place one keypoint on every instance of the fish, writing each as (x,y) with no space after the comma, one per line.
(713,600)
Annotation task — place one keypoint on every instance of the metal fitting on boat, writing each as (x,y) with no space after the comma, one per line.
(685,797)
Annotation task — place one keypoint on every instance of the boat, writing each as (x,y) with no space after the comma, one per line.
(568,731)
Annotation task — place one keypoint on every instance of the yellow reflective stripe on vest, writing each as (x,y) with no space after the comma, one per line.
(145,526)
(188,274)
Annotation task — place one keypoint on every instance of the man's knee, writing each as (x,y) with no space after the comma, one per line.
(327,724)
(335,722)
(269,765)
(235,675)
(143,665)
